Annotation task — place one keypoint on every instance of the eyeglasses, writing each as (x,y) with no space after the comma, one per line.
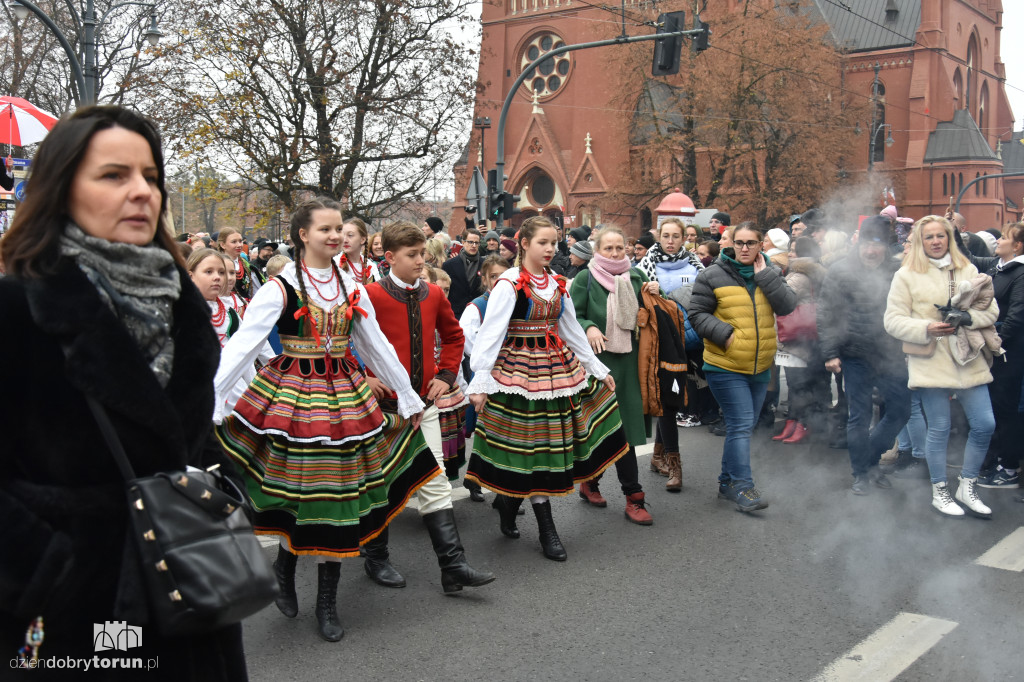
(746,245)
(472,243)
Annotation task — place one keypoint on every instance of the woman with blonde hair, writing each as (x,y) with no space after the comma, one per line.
(918,313)
(435,254)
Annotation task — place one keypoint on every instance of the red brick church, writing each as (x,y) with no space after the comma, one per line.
(940,97)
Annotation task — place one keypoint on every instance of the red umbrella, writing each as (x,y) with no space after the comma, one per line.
(22,123)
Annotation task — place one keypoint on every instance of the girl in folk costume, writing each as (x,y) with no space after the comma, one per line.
(208,271)
(227,291)
(472,317)
(543,425)
(326,469)
(375,253)
(453,404)
(354,259)
(230,242)
(606,298)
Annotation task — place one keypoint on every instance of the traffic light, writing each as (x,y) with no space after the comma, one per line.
(700,41)
(494,197)
(508,206)
(666,50)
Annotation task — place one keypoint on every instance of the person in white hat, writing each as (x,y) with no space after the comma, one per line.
(776,247)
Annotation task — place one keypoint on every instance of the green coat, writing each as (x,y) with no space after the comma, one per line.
(591,302)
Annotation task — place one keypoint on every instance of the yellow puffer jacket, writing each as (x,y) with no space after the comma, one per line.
(721,305)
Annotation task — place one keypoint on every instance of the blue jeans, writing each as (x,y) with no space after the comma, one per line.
(740,398)
(915,433)
(977,408)
(866,445)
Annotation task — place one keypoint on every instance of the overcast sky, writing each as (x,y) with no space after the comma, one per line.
(1012,51)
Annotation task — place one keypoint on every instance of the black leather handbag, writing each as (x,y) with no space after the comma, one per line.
(203,566)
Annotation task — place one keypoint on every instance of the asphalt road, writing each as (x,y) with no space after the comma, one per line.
(706,593)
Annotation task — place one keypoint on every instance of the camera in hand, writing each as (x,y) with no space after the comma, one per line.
(954,317)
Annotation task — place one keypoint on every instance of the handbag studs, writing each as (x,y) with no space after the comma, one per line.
(149,535)
(175,595)
(206,495)
(183,481)
(161,565)
(229,508)
(138,504)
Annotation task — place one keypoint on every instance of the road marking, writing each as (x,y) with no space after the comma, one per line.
(889,650)
(1008,554)
(645,450)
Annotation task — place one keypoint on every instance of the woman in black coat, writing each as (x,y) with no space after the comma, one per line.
(1002,465)
(95,302)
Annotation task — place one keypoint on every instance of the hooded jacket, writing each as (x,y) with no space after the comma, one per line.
(850,311)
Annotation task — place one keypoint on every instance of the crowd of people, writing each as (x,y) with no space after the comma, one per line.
(349,370)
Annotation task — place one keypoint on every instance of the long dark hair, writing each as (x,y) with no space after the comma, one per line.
(31,247)
(301,219)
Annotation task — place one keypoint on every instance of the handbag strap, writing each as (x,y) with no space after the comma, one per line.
(110,435)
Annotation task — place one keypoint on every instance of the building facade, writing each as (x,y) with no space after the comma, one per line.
(941,116)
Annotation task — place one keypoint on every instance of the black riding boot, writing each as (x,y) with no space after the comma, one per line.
(377,565)
(284,568)
(475,492)
(456,572)
(549,539)
(327,601)
(507,508)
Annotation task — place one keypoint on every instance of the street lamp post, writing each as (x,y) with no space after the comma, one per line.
(482,123)
(87,28)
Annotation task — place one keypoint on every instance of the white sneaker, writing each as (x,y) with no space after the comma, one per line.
(943,501)
(967,495)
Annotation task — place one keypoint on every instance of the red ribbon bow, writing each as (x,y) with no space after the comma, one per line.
(353,307)
(305,312)
(560,280)
(523,281)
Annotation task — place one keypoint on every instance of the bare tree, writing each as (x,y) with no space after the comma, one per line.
(36,68)
(358,100)
(759,123)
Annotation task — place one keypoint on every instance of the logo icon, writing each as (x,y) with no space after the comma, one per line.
(116,635)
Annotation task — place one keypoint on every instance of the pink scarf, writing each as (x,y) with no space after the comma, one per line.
(604,270)
(622,306)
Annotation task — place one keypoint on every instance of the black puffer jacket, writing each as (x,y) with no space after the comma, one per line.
(1008,285)
(850,311)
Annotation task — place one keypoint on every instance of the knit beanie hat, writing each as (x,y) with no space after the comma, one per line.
(579,234)
(492,234)
(779,238)
(435,224)
(582,249)
(646,240)
(876,228)
(510,244)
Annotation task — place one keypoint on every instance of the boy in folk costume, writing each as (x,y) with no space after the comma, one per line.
(413,314)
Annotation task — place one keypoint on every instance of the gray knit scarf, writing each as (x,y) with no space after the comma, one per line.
(139,284)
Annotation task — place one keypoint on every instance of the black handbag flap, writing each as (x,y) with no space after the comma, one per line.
(202,489)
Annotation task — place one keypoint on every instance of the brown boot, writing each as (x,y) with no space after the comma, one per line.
(675,472)
(658,464)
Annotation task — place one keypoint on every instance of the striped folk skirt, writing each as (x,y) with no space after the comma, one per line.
(524,447)
(324,467)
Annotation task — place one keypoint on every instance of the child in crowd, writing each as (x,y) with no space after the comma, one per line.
(326,470)
(413,314)
(543,424)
